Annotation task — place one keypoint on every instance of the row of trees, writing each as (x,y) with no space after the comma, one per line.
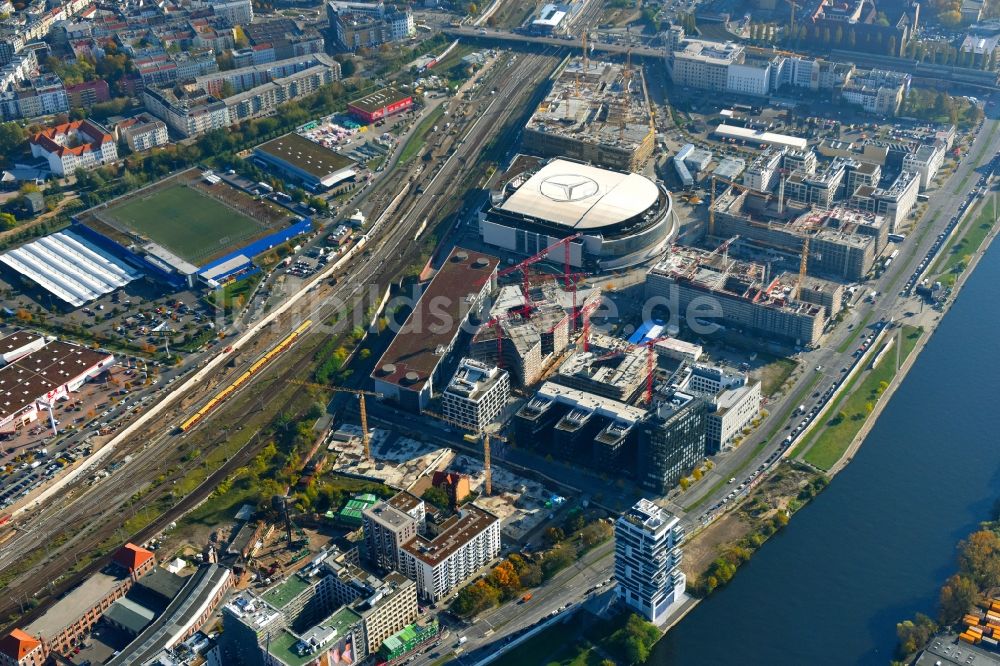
(516,573)
(723,568)
(507,580)
(939,106)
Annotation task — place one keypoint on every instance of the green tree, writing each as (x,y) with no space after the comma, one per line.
(7,221)
(472,9)
(914,634)
(12,138)
(437,497)
(557,559)
(635,639)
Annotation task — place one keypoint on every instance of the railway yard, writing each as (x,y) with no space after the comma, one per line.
(149,459)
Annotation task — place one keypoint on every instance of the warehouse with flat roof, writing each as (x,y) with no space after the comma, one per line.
(379,105)
(759,136)
(408,371)
(43,376)
(316,167)
(69,267)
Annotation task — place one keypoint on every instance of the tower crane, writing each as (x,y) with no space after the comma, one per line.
(541,255)
(803,265)
(495,322)
(485,435)
(361,407)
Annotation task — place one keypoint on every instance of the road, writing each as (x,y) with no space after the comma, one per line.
(945,203)
(83,515)
(570,586)
(510,38)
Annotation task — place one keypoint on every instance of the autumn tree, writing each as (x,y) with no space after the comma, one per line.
(958,594)
(505,579)
(979,557)
(476,598)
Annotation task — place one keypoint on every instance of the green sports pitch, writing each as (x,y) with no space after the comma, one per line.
(189,223)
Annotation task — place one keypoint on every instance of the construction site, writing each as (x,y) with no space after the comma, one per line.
(596,112)
(841,243)
(785,307)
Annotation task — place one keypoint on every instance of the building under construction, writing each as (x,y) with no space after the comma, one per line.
(843,242)
(596,112)
(741,294)
(526,334)
(610,367)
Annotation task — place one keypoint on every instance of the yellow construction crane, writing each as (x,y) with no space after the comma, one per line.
(487,471)
(803,265)
(361,407)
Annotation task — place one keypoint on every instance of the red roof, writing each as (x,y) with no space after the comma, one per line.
(83,129)
(17,644)
(131,557)
(446,478)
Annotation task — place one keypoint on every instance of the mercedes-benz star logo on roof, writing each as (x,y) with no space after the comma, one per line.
(568,187)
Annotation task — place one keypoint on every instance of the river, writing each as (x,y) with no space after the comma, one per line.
(875,546)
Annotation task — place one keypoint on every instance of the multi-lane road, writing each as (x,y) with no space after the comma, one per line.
(947,201)
(576,585)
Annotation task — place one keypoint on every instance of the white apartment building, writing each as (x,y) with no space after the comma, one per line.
(388,526)
(710,380)
(800,160)
(762,174)
(401,25)
(466,543)
(732,410)
(143,132)
(893,202)
(750,77)
(925,161)
(647,560)
(234,12)
(703,65)
(81,144)
(476,394)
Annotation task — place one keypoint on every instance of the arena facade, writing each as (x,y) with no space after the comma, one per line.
(624,219)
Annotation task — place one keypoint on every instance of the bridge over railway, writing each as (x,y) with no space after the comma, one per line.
(506,37)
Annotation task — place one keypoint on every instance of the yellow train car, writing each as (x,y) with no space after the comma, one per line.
(222,395)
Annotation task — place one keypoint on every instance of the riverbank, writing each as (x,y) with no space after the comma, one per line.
(802,552)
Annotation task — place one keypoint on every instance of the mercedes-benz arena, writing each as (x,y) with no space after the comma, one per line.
(625,219)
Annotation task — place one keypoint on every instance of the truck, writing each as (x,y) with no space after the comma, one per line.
(526,598)
(462,640)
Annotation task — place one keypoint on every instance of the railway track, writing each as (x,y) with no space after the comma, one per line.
(87,515)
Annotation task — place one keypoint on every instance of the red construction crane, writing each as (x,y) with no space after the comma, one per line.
(541,256)
(585,315)
(650,346)
(498,329)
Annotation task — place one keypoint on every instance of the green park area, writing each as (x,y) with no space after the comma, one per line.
(826,445)
(586,640)
(958,253)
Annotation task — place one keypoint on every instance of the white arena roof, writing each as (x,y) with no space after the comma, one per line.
(582,197)
(70,267)
(770,138)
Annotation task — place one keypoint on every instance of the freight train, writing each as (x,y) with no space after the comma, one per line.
(257,366)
